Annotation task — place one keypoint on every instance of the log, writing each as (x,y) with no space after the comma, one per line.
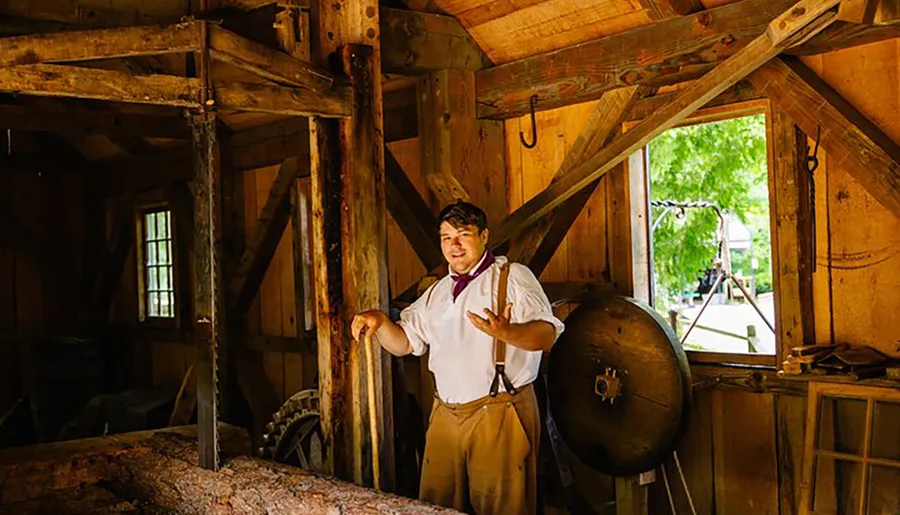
(159,469)
(86,45)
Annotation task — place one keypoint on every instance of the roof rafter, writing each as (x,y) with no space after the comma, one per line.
(660,54)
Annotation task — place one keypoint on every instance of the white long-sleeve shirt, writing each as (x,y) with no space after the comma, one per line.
(462,356)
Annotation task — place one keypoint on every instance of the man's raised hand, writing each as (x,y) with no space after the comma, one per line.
(492,325)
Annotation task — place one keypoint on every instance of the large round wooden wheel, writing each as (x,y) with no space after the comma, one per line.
(619,385)
(294,436)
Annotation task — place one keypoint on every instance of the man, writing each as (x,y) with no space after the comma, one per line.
(483,435)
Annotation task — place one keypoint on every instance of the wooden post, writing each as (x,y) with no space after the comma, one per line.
(350,236)
(792,267)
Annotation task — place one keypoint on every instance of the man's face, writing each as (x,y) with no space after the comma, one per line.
(463,246)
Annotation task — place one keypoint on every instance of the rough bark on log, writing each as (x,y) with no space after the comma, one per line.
(159,468)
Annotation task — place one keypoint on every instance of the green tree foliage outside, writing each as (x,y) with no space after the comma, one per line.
(723,163)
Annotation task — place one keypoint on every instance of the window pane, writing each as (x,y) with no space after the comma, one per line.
(164,279)
(152,282)
(151,254)
(162,253)
(165,307)
(161,231)
(886,432)
(837,487)
(169,275)
(842,425)
(154,304)
(884,491)
(150,224)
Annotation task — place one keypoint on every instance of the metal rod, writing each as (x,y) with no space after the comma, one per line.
(684,483)
(668,490)
(709,297)
(752,302)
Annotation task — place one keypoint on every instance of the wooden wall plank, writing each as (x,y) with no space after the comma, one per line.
(864,251)
(744,453)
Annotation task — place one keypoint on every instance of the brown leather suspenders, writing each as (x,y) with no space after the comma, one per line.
(499,346)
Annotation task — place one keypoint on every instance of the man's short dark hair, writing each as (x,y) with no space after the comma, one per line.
(462,213)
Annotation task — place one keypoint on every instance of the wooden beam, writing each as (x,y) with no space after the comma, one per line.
(113,264)
(536,246)
(660,54)
(851,139)
(283,100)
(857,11)
(364,244)
(792,230)
(741,94)
(55,80)
(271,64)
(441,130)
(267,233)
(261,146)
(793,266)
(416,42)
(803,20)
(334,391)
(665,9)
(87,45)
(411,213)
(842,35)
(349,221)
(888,12)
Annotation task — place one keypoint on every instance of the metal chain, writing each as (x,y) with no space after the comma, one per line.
(812,164)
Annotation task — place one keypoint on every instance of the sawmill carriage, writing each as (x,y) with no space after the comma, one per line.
(196,197)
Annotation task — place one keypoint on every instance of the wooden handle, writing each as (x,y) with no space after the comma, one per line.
(373,420)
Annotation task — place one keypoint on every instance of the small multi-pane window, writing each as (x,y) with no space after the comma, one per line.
(852,454)
(159,289)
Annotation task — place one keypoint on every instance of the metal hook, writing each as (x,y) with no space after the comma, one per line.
(812,162)
(532,101)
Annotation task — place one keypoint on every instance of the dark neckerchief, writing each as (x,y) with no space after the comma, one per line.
(461,281)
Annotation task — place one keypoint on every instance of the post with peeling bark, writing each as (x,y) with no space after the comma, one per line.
(349,232)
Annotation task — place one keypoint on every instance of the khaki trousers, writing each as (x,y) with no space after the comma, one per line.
(481,456)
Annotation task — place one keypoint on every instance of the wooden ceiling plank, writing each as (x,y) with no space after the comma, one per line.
(55,80)
(266,98)
(803,19)
(871,157)
(665,9)
(661,54)
(414,42)
(269,63)
(86,45)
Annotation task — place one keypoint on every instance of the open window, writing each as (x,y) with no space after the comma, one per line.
(711,259)
(156,263)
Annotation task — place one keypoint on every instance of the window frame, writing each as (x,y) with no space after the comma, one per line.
(141,237)
(870,394)
(716,114)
